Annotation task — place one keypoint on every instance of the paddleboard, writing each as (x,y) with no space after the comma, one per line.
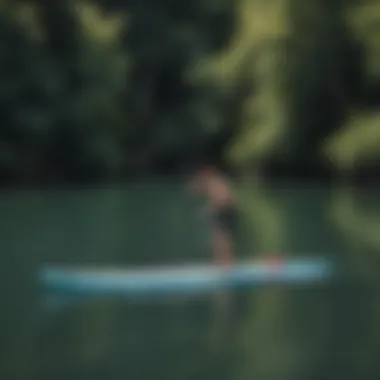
(182,278)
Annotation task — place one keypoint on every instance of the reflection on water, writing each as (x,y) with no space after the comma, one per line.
(357,217)
(268,333)
(263,217)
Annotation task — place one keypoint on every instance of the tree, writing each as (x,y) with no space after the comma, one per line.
(356,144)
(61,90)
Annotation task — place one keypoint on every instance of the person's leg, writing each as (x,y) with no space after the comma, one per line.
(222,247)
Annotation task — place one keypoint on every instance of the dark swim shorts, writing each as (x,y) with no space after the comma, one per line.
(226,219)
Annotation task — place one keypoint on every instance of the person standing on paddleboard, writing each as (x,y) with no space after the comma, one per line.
(220,207)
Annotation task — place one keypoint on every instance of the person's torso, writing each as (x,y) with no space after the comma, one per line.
(219,194)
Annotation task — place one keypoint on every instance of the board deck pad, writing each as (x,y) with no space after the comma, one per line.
(182,278)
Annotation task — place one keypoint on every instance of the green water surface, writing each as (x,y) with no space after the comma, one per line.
(327,331)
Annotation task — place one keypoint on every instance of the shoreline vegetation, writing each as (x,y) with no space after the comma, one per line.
(107,91)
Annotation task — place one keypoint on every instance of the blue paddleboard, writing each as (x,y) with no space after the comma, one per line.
(87,281)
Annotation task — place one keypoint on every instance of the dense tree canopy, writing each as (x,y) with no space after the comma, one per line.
(100,89)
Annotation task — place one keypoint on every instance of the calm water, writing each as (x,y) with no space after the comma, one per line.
(324,332)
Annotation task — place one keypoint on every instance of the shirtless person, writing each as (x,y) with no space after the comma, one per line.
(210,182)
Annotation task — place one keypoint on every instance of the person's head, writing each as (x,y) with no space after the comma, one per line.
(206,172)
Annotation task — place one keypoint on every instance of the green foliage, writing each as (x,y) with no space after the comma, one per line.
(364,20)
(254,58)
(357,143)
(52,105)
(93,88)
